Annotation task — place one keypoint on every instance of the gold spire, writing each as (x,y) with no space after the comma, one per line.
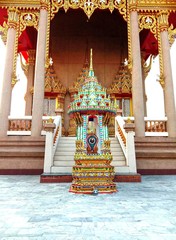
(91,63)
(91,71)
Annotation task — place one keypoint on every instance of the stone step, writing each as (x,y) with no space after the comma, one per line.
(64,158)
(64,163)
(118,163)
(115,153)
(66,144)
(68,153)
(56,169)
(68,138)
(63,149)
(116,148)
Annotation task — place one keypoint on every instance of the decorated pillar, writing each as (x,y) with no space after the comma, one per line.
(37,110)
(30,82)
(167,74)
(137,85)
(9,73)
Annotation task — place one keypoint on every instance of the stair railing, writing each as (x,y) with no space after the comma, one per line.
(124,131)
(53,129)
(57,132)
(120,133)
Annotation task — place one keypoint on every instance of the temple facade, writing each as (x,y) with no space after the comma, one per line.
(53,39)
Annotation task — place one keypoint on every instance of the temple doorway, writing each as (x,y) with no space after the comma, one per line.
(71,37)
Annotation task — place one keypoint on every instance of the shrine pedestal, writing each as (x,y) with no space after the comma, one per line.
(93,173)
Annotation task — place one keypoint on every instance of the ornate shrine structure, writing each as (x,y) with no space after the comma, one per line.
(134,30)
(92,110)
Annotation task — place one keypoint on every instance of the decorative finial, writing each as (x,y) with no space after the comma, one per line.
(91,71)
(91,64)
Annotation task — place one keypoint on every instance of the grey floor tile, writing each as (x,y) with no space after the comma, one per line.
(138,211)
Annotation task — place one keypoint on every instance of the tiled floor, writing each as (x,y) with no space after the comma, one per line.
(139,211)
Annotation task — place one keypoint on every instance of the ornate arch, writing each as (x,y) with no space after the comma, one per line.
(89,6)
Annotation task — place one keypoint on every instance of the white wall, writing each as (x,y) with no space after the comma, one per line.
(19,90)
(155,102)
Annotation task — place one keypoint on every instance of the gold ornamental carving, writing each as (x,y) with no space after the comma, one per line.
(129,60)
(14,79)
(13,17)
(48,34)
(145,4)
(162,25)
(29,19)
(44,4)
(147,68)
(3,31)
(51,82)
(171,34)
(148,22)
(163,21)
(161,80)
(132,5)
(13,22)
(161,77)
(122,82)
(31,59)
(89,6)
(24,66)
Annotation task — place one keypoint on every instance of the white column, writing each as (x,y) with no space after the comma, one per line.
(170,107)
(137,84)
(5,101)
(38,99)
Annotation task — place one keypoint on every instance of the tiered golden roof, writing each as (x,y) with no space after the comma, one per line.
(52,84)
(80,79)
(122,83)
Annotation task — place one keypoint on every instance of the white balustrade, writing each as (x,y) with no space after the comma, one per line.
(53,133)
(120,133)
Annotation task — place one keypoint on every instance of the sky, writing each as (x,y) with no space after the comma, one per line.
(154,91)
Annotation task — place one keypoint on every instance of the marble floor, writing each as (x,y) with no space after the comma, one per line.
(138,211)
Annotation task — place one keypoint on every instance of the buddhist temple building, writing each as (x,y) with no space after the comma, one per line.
(53,39)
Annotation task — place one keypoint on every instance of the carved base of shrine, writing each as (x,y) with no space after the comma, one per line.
(93,173)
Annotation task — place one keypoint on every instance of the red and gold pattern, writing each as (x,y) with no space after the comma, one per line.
(93,172)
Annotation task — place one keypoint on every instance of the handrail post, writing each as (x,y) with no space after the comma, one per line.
(130,147)
(48,159)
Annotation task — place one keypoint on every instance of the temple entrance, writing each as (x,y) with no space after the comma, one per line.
(72,35)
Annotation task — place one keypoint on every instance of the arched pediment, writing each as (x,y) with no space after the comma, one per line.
(89,6)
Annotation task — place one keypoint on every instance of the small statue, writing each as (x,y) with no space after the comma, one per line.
(95,191)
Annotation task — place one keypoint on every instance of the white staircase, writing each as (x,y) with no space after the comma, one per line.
(64,156)
(119,161)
